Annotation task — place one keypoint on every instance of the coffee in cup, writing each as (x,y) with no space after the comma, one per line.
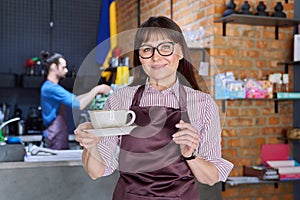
(111,118)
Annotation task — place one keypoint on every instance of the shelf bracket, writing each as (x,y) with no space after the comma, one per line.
(223,105)
(276,106)
(224,28)
(276,32)
(286,68)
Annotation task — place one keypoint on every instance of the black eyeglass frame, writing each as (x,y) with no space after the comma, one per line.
(156,48)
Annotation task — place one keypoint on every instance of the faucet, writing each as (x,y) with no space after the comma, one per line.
(9,121)
(2,138)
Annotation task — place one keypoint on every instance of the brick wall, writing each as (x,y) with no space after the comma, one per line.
(248,51)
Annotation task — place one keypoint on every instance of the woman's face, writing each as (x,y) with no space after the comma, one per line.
(161,69)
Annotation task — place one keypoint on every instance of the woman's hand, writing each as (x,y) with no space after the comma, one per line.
(187,137)
(85,139)
(92,161)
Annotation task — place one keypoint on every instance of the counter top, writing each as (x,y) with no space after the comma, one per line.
(16,165)
(52,180)
(62,158)
(38,138)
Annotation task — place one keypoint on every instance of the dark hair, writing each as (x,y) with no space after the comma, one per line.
(166,28)
(49,59)
(54,58)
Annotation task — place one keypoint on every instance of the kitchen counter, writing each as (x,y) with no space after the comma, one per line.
(65,180)
(52,179)
(46,177)
(22,165)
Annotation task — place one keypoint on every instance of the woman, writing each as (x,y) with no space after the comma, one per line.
(177,138)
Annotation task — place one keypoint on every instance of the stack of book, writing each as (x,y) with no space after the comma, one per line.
(261,172)
(287,169)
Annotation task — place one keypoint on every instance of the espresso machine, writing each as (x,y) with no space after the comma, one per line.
(34,121)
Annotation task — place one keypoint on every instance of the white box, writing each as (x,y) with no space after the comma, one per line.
(281,163)
(297,47)
(289,170)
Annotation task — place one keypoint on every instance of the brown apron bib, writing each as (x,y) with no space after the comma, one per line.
(150,162)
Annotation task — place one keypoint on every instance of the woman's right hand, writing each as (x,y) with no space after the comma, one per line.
(92,161)
(85,139)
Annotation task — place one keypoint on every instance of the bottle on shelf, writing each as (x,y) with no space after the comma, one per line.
(122,74)
(73,72)
(285,81)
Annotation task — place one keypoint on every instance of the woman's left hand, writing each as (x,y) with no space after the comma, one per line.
(85,139)
(187,137)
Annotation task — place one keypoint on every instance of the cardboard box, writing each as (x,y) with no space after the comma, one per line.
(222,91)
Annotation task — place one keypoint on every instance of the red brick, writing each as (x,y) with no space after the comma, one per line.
(274,120)
(259,141)
(287,120)
(260,63)
(250,131)
(232,112)
(233,142)
(240,122)
(245,151)
(261,44)
(229,152)
(239,63)
(250,112)
(260,121)
(227,132)
(251,34)
(271,130)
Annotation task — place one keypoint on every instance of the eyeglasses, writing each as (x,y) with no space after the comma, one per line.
(164,49)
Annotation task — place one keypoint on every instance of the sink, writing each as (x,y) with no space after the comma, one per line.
(12,152)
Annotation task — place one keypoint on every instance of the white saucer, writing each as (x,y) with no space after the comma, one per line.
(122,130)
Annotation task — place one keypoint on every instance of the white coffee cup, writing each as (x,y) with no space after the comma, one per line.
(111,118)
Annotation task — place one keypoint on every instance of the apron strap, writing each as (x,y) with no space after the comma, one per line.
(137,96)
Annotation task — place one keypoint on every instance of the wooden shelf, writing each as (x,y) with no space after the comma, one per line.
(31,81)
(8,80)
(258,99)
(287,63)
(236,183)
(257,21)
(35,82)
(288,139)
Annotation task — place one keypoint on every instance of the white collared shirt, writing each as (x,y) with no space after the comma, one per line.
(203,114)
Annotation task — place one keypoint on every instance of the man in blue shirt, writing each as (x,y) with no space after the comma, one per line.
(54,98)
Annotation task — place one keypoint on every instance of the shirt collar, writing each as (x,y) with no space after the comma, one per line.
(173,89)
